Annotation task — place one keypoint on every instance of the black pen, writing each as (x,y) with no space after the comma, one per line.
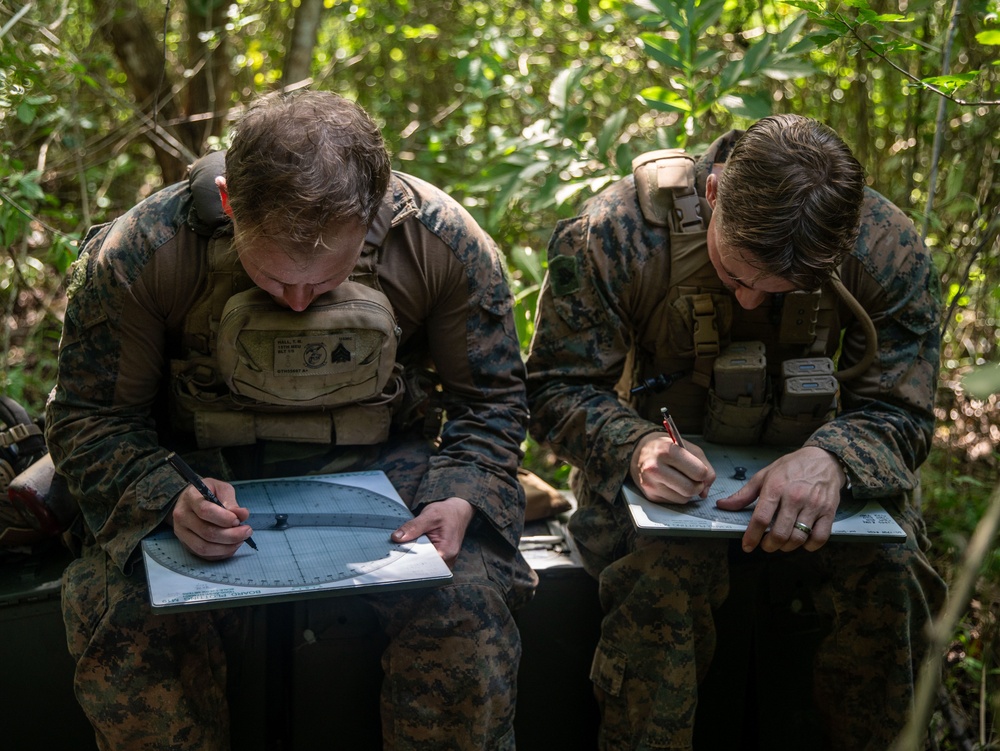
(671,427)
(191,476)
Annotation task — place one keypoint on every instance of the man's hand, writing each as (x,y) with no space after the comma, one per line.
(206,530)
(667,473)
(444,523)
(799,488)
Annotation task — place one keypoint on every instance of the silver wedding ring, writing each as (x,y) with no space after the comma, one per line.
(803,528)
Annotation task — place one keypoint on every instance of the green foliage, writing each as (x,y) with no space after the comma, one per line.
(705,71)
(868,33)
(522,110)
(983,381)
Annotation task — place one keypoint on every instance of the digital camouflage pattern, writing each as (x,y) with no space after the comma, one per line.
(658,594)
(129,293)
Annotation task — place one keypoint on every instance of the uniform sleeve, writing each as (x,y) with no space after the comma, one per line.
(885,427)
(473,345)
(99,423)
(582,340)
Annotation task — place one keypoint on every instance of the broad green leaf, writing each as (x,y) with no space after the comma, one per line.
(731,74)
(666,9)
(535,168)
(29,188)
(756,54)
(983,381)
(567,191)
(26,113)
(786,36)
(706,60)
(623,158)
(664,99)
(789,69)
(564,85)
(610,131)
(805,5)
(858,4)
(822,40)
(952,82)
(663,51)
(752,106)
(706,15)
(988,37)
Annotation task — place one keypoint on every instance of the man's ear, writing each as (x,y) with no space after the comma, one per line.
(711,189)
(220,182)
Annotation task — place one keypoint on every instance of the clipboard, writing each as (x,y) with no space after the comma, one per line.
(317,535)
(855,520)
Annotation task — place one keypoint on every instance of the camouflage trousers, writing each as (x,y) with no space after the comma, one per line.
(658,635)
(158,681)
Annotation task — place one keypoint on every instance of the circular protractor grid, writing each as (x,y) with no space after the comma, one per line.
(297,556)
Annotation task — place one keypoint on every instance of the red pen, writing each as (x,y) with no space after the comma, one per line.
(671,427)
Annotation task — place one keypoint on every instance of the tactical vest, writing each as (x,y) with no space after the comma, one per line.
(723,375)
(236,385)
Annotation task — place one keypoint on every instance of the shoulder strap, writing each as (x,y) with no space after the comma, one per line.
(366,269)
(665,184)
(206,216)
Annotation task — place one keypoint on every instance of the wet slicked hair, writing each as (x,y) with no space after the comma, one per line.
(789,198)
(302,161)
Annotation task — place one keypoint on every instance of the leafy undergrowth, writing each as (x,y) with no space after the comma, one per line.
(958,480)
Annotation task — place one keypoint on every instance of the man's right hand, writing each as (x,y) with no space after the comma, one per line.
(206,530)
(667,473)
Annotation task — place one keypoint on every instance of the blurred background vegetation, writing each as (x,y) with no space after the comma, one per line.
(521,109)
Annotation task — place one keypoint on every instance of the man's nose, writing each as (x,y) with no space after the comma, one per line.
(298,297)
(749,298)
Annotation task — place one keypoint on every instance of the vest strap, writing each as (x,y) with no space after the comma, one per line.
(706,338)
(665,186)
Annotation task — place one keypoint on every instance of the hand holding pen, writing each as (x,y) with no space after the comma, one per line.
(200,540)
(667,469)
(671,427)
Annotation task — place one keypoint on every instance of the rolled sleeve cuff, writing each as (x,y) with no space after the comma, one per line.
(498,499)
(872,471)
(607,465)
(141,510)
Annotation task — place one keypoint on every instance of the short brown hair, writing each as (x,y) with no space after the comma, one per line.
(302,160)
(790,196)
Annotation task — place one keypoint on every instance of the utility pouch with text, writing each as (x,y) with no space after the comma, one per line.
(341,349)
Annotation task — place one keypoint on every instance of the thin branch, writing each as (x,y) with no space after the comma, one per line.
(6,197)
(956,9)
(13,21)
(906,74)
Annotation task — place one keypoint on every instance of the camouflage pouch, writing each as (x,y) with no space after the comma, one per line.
(808,397)
(341,350)
(740,422)
(789,430)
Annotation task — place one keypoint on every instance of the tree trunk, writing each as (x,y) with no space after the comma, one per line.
(176,128)
(298,60)
(210,88)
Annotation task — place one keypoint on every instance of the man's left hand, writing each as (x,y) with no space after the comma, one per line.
(444,523)
(801,488)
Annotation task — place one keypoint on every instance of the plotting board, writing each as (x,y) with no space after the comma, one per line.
(855,520)
(316,535)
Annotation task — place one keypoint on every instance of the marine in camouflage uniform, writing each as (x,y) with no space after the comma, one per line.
(608,269)
(158,681)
